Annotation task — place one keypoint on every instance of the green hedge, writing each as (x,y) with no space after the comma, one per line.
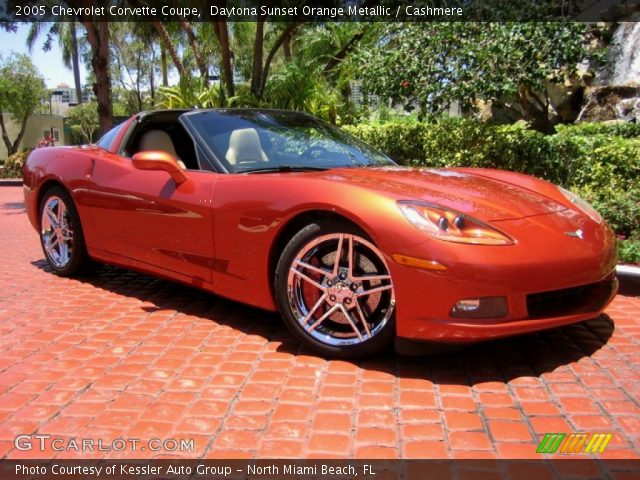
(599,162)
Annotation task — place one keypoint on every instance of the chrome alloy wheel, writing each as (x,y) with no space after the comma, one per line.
(57,235)
(339,289)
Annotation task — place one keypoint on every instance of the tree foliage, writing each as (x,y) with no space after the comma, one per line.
(193,94)
(21,92)
(304,67)
(84,119)
(432,65)
(134,65)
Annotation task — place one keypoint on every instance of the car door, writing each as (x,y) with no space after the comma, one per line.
(148,221)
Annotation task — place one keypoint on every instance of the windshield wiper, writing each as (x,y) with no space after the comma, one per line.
(285,168)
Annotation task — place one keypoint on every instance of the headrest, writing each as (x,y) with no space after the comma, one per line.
(244,145)
(157,140)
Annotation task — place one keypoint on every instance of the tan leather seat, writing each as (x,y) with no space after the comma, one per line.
(161,141)
(245,146)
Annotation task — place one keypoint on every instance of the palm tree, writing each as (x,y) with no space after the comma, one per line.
(146,32)
(66,34)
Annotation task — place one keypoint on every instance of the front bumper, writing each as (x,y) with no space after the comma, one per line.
(548,279)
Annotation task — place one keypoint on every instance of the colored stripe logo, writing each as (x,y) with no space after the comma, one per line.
(574,443)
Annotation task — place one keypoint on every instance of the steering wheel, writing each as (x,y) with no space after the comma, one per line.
(314,152)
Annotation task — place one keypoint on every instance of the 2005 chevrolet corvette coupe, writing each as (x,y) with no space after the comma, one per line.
(280,211)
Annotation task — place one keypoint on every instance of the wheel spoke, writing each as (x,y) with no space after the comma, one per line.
(300,263)
(350,258)
(308,316)
(50,246)
(63,248)
(363,319)
(326,314)
(308,279)
(61,211)
(336,264)
(351,322)
(53,220)
(381,288)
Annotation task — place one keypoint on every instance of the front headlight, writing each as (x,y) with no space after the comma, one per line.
(451,226)
(583,206)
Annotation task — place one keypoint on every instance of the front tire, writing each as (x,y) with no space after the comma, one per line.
(61,234)
(334,290)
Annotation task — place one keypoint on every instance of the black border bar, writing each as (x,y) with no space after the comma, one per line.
(317,469)
(12,11)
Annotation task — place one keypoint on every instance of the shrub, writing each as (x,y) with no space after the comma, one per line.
(625,130)
(451,142)
(14,164)
(402,141)
(605,172)
(600,162)
(629,251)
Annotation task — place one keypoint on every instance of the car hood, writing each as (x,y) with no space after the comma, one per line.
(476,195)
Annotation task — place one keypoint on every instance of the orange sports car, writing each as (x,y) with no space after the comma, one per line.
(279,210)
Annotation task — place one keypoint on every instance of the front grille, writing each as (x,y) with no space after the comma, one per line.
(568,301)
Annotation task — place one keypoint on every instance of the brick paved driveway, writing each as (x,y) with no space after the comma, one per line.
(124,354)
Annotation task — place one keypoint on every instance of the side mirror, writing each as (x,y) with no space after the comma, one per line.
(158,160)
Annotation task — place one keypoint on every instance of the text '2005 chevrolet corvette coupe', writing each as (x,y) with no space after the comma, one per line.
(284,212)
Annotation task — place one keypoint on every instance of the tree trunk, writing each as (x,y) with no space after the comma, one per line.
(258,45)
(289,29)
(138,90)
(12,147)
(344,51)
(152,76)
(286,47)
(197,54)
(5,135)
(170,48)
(536,112)
(222,33)
(163,63)
(75,61)
(98,36)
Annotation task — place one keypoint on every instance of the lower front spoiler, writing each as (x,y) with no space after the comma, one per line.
(456,333)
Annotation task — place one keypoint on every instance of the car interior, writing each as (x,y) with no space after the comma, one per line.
(238,147)
(164,133)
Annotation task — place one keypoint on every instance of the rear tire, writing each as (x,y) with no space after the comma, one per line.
(61,234)
(334,290)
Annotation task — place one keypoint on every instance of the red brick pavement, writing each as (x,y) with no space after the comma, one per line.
(123,354)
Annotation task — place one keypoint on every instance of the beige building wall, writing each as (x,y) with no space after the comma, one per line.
(37,125)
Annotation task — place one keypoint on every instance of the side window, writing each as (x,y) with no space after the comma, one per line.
(107,138)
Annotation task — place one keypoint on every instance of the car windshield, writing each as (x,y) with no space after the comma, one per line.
(248,141)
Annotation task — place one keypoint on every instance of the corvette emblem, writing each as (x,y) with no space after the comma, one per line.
(578,234)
